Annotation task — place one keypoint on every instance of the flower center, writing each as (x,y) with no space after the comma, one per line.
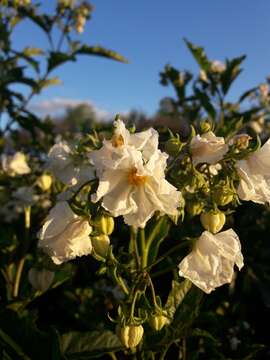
(117,141)
(135,179)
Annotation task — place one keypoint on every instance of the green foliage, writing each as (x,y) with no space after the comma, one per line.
(138,279)
(14,64)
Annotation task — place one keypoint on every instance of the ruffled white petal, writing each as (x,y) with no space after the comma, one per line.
(211,262)
(254,173)
(131,172)
(208,148)
(62,164)
(15,165)
(64,234)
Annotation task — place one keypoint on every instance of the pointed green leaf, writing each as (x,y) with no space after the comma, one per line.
(100,51)
(87,345)
(177,295)
(199,55)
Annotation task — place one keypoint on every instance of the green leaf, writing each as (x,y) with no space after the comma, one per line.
(187,312)
(22,329)
(199,55)
(7,340)
(231,73)
(156,233)
(177,295)
(203,334)
(88,345)
(57,58)
(100,51)
(206,103)
(45,22)
(247,94)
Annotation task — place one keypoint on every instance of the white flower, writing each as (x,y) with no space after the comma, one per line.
(40,279)
(207,148)
(131,173)
(112,150)
(211,262)
(64,234)
(15,165)
(254,172)
(63,164)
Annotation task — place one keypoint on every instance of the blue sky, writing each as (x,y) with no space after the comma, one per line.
(150,34)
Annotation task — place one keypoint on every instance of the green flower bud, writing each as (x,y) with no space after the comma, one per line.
(194,207)
(101,244)
(44,182)
(104,224)
(130,335)
(205,126)
(173,146)
(213,221)
(158,321)
(222,196)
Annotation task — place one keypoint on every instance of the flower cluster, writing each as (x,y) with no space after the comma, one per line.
(127,175)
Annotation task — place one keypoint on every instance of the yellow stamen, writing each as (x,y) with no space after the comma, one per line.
(134,179)
(117,141)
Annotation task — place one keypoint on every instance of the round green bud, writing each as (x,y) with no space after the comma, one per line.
(222,197)
(205,126)
(194,207)
(173,146)
(213,221)
(101,244)
(130,335)
(104,224)
(158,321)
(44,182)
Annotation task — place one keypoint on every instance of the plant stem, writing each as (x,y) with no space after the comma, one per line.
(144,249)
(132,309)
(27,221)
(134,245)
(153,292)
(184,349)
(112,355)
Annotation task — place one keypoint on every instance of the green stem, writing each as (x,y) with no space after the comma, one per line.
(132,309)
(144,249)
(169,252)
(27,220)
(153,292)
(184,349)
(120,282)
(134,245)
(112,355)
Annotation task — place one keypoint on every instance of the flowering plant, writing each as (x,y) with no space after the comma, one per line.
(124,231)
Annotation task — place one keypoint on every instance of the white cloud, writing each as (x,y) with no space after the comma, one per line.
(57,106)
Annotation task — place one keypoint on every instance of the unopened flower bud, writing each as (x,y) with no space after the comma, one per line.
(173,146)
(205,126)
(203,76)
(213,221)
(104,224)
(158,321)
(130,335)
(194,207)
(223,196)
(44,182)
(40,279)
(241,141)
(101,245)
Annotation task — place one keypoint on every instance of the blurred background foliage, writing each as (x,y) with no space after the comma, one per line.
(70,320)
